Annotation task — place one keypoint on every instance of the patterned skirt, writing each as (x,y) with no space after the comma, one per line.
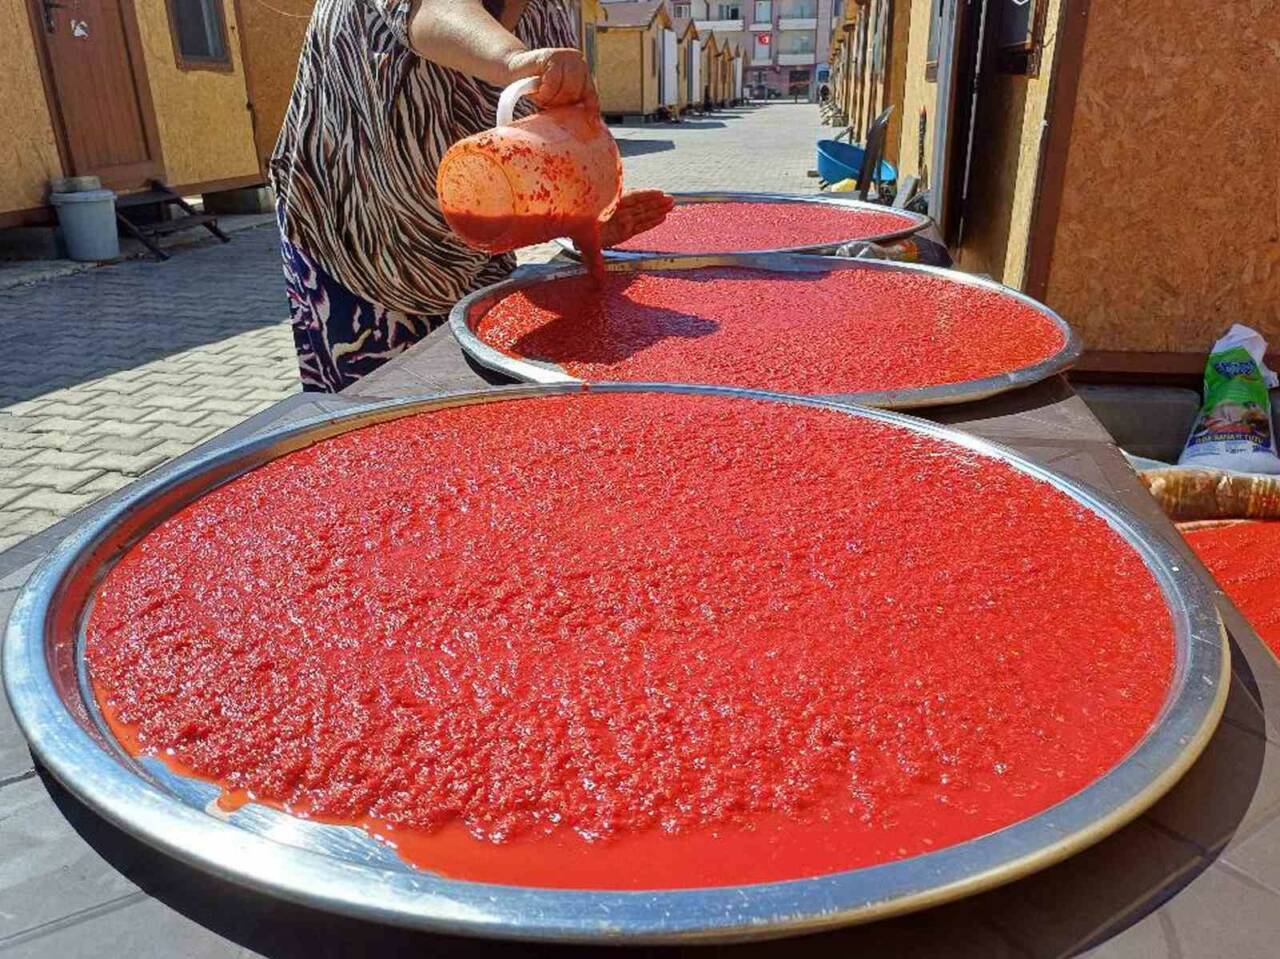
(339,335)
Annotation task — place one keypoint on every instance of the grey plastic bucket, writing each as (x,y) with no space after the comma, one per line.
(88,221)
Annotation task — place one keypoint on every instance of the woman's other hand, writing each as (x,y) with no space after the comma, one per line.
(638,211)
(563,75)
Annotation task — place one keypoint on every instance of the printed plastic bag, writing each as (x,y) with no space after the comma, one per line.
(1233,430)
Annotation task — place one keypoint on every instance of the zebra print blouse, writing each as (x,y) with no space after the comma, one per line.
(354,169)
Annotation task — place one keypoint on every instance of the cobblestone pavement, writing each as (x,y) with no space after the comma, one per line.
(108,373)
(750,148)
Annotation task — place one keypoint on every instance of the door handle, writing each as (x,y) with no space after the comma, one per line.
(49,7)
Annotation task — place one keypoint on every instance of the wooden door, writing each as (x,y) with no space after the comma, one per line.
(98,87)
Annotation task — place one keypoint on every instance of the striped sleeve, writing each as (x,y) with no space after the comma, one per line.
(395,14)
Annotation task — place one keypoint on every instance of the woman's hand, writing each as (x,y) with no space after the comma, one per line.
(638,211)
(563,75)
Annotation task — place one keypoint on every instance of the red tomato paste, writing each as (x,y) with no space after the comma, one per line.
(1245,560)
(636,641)
(841,332)
(744,227)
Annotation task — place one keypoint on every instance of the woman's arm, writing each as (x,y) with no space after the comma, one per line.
(462,35)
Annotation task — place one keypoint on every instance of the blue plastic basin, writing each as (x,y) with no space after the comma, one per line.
(840,161)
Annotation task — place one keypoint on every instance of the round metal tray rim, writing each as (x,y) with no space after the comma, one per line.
(84,764)
(471,309)
(918,221)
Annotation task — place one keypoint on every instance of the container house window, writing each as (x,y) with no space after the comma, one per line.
(763,11)
(931,52)
(199,33)
(1020,33)
(730,11)
(799,10)
(795,41)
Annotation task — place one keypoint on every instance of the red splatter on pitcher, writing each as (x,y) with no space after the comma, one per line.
(556,173)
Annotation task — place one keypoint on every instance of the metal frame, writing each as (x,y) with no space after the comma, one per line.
(919,222)
(343,870)
(467,313)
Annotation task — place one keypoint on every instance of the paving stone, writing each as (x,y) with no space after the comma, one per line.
(171,449)
(62,424)
(130,465)
(54,408)
(169,401)
(14,439)
(191,435)
(58,504)
(117,428)
(17,423)
(60,480)
(30,519)
(232,407)
(221,421)
(64,442)
(105,483)
(176,417)
(11,457)
(129,445)
(58,459)
(11,494)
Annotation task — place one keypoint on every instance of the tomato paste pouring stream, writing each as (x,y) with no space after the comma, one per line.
(556,173)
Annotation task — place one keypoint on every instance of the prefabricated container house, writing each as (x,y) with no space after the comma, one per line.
(191,92)
(125,90)
(630,47)
(710,74)
(1117,160)
(689,62)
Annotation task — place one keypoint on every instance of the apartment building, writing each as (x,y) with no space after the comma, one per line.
(784,42)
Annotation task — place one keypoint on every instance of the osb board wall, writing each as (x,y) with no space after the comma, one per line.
(28,150)
(206,131)
(1170,223)
(273,35)
(1006,161)
(918,93)
(618,53)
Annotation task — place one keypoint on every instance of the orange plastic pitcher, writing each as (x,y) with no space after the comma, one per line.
(556,173)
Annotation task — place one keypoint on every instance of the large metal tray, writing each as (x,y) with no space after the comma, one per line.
(913,222)
(467,313)
(343,870)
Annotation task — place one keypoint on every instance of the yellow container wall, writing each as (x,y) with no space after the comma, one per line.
(648,42)
(896,79)
(619,56)
(206,130)
(29,151)
(917,94)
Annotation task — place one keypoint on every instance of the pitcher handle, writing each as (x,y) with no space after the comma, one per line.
(507,102)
